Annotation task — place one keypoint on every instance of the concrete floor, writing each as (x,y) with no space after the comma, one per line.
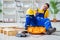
(55,36)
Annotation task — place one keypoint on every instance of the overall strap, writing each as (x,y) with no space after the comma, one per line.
(45,12)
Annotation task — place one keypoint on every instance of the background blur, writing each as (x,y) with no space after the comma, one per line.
(13,12)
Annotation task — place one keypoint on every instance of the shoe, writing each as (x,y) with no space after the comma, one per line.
(50,31)
(23,35)
(24,32)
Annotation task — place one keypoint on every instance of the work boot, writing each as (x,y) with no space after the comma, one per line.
(24,32)
(50,31)
(23,35)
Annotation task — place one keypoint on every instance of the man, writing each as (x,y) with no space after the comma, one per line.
(42,17)
(39,18)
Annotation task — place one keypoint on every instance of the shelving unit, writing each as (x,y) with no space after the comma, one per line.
(21,7)
(19,10)
(14,11)
(9,11)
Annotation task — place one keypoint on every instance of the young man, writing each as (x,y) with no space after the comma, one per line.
(41,18)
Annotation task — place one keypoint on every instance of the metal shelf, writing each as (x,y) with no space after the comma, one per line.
(9,11)
(15,9)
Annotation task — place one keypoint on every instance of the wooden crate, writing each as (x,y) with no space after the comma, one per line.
(19,29)
(1,29)
(10,32)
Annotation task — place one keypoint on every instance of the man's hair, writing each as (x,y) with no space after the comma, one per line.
(47,5)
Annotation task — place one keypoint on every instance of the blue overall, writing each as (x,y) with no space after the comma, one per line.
(47,23)
(41,21)
(30,21)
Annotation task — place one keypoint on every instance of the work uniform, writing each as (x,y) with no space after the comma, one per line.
(42,18)
(30,19)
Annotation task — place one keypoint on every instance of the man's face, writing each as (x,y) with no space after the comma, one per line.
(45,7)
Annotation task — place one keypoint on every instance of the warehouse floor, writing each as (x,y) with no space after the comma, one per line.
(55,36)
